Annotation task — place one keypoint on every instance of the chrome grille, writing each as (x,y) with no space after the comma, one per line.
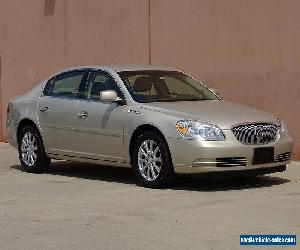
(283,157)
(231,162)
(261,133)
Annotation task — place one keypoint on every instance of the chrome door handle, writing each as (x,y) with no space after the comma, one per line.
(83,115)
(44,109)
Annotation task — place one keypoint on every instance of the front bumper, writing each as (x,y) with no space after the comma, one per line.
(203,157)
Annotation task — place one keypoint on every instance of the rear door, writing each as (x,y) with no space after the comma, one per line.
(57,111)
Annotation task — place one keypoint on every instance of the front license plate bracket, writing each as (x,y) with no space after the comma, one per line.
(263,155)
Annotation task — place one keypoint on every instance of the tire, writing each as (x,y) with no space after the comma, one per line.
(32,152)
(154,168)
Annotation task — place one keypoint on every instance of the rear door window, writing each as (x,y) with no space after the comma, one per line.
(66,85)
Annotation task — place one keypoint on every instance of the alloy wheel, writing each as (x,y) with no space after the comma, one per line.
(149,160)
(29,149)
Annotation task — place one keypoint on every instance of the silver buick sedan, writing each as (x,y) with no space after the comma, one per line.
(157,120)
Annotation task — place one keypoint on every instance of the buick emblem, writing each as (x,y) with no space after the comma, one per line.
(259,136)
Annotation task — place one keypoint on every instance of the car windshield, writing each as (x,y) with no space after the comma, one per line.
(164,86)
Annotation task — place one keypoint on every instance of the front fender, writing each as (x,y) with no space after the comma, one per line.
(137,116)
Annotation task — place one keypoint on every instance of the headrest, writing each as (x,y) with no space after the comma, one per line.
(143,84)
(97,87)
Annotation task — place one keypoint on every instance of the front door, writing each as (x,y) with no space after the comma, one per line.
(99,126)
(57,111)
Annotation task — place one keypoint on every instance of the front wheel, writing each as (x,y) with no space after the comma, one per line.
(152,162)
(31,151)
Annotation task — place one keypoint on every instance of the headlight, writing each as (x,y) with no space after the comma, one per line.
(203,131)
(283,128)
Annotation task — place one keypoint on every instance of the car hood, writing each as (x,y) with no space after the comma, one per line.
(222,113)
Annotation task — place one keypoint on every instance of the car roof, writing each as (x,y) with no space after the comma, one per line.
(137,67)
(119,68)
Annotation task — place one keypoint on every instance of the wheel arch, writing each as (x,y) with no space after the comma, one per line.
(142,129)
(25,122)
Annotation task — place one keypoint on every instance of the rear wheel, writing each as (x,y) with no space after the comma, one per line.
(152,162)
(32,152)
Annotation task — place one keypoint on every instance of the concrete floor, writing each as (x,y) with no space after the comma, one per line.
(80,206)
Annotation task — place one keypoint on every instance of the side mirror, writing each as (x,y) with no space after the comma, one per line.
(111,96)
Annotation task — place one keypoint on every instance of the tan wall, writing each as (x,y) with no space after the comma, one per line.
(248,49)
(80,32)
